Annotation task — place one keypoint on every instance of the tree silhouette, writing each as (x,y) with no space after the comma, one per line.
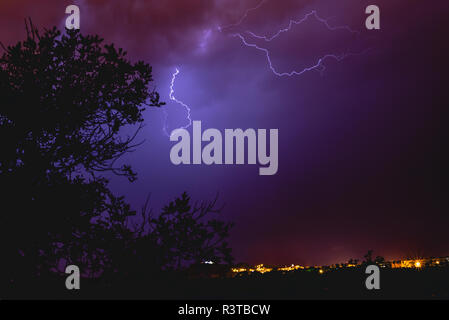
(185,234)
(378,260)
(368,257)
(65,99)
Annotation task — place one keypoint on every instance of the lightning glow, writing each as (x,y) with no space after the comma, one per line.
(172,97)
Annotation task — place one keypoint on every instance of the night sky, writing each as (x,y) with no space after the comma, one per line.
(362,155)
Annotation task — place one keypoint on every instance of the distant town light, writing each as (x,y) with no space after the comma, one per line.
(412,263)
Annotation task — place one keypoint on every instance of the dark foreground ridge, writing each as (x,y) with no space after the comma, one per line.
(344,283)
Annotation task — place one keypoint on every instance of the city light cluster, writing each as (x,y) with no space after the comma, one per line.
(419,263)
(291,268)
(412,263)
(259,268)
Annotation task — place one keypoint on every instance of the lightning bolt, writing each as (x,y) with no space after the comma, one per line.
(293,22)
(239,22)
(318,65)
(172,97)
